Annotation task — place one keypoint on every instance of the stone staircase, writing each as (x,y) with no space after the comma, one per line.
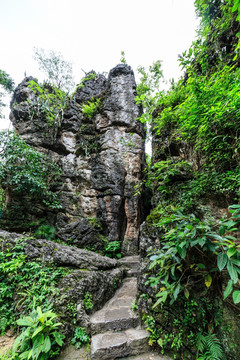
(116,329)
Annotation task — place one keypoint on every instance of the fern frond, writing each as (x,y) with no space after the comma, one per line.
(211,345)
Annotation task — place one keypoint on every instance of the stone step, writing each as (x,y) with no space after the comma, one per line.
(132,264)
(114,345)
(117,314)
(147,356)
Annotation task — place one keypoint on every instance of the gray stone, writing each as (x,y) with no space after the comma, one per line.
(70,353)
(147,356)
(117,314)
(131,263)
(113,345)
(62,255)
(102,158)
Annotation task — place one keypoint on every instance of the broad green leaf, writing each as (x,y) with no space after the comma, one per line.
(39,328)
(186,293)
(40,314)
(30,354)
(232,271)
(201,266)
(202,241)
(208,280)
(231,251)
(24,355)
(236,296)
(221,261)
(222,230)
(160,342)
(164,295)
(176,291)
(235,262)
(46,345)
(228,289)
(25,322)
(58,337)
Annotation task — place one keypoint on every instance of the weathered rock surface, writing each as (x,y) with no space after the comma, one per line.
(70,353)
(62,255)
(147,356)
(102,157)
(112,345)
(117,328)
(100,286)
(132,265)
(117,313)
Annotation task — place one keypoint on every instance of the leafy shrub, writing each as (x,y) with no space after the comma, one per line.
(24,285)
(40,338)
(112,249)
(26,171)
(49,103)
(80,338)
(91,108)
(87,301)
(45,231)
(193,252)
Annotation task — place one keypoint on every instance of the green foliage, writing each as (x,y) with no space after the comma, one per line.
(26,171)
(123,58)
(40,338)
(197,119)
(7,84)
(113,249)
(87,301)
(58,71)
(148,89)
(91,108)
(192,253)
(209,346)
(80,338)
(48,104)
(45,231)
(24,284)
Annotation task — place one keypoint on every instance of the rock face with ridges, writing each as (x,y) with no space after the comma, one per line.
(101,156)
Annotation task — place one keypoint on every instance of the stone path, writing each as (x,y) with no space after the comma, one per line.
(116,329)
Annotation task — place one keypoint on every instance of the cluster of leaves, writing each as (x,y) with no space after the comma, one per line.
(24,285)
(7,84)
(197,119)
(210,347)
(113,249)
(48,103)
(204,112)
(192,253)
(91,108)
(87,301)
(80,338)
(148,89)
(26,171)
(40,338)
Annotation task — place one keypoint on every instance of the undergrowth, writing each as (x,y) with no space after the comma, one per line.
(24,284)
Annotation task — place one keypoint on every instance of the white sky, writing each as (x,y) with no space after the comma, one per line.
(92,33)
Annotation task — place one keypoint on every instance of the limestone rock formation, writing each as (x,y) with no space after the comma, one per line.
(101,155)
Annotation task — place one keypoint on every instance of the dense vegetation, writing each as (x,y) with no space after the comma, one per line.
(194,272)
(195,128)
